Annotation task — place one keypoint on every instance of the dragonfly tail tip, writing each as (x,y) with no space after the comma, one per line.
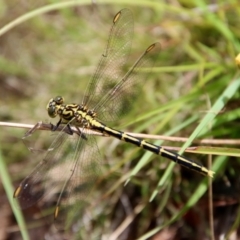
(211,173)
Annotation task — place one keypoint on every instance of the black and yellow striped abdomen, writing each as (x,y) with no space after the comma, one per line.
(186,162)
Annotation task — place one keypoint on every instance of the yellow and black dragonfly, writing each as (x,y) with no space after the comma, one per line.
(109,94)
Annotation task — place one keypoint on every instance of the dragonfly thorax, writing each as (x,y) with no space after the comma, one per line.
(75,113)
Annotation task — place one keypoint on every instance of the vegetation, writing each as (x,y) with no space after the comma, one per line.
(51,48)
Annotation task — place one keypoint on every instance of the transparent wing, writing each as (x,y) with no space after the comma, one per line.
(34,187)
(118,100)
(70,162)
(75,192)
(109,69)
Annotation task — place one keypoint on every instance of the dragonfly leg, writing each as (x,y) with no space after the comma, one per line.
(37,126)
(81,134)
(32,130)
(55,127)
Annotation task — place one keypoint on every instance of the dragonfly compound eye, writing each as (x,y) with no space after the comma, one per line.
(51,108)
(52,111)
(59,100)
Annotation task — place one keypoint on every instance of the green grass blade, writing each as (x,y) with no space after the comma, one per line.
(216,108)
(7,184)
(219,104)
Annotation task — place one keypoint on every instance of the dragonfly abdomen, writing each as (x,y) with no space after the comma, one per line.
(186,162)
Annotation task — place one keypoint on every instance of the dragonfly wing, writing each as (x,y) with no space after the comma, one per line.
(48,175)
(109,69)
(75,193)
(119,99)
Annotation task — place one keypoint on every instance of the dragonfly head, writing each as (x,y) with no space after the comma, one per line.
(53,106)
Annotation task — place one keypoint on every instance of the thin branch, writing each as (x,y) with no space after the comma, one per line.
(48,127)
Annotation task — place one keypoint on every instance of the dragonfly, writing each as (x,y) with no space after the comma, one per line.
(109,94)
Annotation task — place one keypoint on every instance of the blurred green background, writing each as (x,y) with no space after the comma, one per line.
(55,51)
